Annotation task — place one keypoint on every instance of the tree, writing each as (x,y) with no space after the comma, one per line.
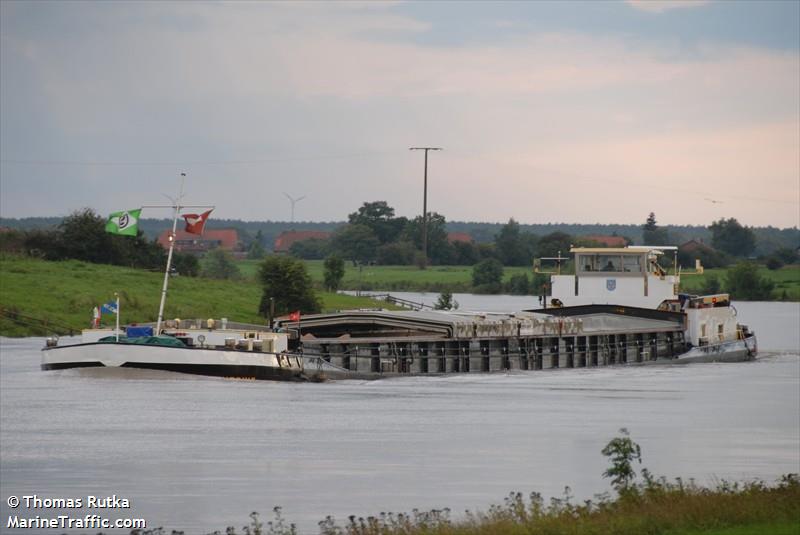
(379,217)
(514,248)
(550,245)
(743,282)
(285,280)
(256,249)
(540,285)
(356,243)
(730,236)
(710,286)
(466,253)
(185,264)
(445,301)
(652,234)
(399,253)
(487,276)
(219,264)
(83,237)
(334,273)
(440,250)
(310,249)
(519,284)
(622,452)
(786,255)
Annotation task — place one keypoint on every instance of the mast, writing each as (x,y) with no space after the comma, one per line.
(177,207)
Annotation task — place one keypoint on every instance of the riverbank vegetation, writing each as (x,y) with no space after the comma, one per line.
(39,297)
(459,279)
(641,505)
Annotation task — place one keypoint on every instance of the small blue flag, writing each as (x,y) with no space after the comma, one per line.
(110,308)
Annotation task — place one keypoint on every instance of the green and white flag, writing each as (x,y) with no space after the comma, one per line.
(124,223)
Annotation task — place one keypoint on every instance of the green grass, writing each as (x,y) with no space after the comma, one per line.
(786,279)
(459,278)
(762,528)
(397,278)
(654,507)
(63,294)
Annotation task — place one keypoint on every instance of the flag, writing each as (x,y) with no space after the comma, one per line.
(195,223)
(124,223)
(96,317)
(110,308)
(294,316)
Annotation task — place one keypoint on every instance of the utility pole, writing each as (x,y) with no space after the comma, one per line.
(293,201)
(425,204)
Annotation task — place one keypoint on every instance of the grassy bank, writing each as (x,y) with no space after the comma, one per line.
(396,278)
(63,294)
(786,279)
(656,507)
(459,278)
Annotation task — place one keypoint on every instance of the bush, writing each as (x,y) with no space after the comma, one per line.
(445,301)
(487,272)
(286,281)
(310,249)
(219,264)
(773,263)
(399,253)
(744,282)
(711,285)
(334,273)
(519,284)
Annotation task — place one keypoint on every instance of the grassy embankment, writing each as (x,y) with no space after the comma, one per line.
(396,278)
(651,508)
(459,278)
(64,293)
(786,279)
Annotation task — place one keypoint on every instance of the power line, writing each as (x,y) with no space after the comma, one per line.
(91,163)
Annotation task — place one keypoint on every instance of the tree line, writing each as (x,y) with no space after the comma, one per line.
(373,234)
(82,236)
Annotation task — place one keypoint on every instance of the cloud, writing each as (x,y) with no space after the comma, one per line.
(538,125)
(660,6)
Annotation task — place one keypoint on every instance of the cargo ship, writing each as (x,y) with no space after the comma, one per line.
(618,306)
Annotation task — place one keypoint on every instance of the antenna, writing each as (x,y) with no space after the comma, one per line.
(293,201)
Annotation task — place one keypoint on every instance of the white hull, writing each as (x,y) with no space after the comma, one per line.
(203,361)
(731,351)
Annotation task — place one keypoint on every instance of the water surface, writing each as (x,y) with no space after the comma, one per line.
(200,454)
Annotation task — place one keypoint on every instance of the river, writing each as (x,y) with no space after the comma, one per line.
(199,454)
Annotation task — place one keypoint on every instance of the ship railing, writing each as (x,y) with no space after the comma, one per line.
(399,301)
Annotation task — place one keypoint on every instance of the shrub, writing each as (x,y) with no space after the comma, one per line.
(286,281)
(744,282)
(519,284)
(219,264)
(487,272)
(334,273)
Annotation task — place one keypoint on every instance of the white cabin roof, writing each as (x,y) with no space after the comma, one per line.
(630,249)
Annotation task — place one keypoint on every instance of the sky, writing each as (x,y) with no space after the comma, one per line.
(547,112)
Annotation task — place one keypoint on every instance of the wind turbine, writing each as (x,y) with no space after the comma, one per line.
(293,201)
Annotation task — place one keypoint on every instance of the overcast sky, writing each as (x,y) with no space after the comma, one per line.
(547,111)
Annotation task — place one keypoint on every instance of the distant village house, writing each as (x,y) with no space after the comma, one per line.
(287,238)
(605,241)
(225,239)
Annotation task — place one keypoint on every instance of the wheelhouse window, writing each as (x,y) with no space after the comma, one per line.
(609,263)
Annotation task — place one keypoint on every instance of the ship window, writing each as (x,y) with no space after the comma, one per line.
(609,262)
(632,264)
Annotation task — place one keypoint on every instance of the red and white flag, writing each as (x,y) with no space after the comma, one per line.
(294,316)
(195,223)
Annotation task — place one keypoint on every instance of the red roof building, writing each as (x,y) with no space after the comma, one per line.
(287,238)
(454,237)
(606,241)
(226,239)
